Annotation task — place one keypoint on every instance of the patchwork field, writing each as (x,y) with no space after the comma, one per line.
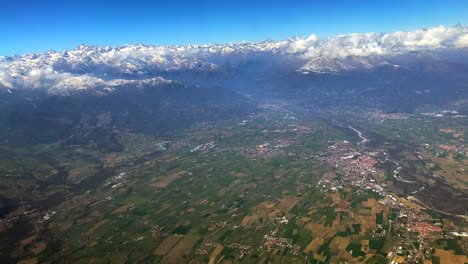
(233,192)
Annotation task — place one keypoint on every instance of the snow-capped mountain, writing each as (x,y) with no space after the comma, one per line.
(52,96)
(92,67)
(101,87)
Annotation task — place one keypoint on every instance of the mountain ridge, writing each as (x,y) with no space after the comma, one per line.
(337,54)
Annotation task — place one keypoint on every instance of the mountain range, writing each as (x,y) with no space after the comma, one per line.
(99,68)
(45,97)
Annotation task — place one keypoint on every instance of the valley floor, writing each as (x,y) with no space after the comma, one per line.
(289,184)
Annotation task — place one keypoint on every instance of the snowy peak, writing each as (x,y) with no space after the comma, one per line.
(97,86)
(86,67)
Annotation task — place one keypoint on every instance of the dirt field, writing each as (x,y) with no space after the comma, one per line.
(449,257)
(96,226)
(287,203)
(167,245)
(76,175)
(411,204)
(340,242)
(267,210)
(367,222)
(249,220)
(373,204)
(451,171)
(182,248)
(119,257)
(314,245)
(304,220)
(337,224)
(162,182)
(273,214)
(448,224)
(320,234)
(170,158)
(401,259)
(367,214)
(29,261)
(265,206)
(239,174)
(27,241)
(245,221)
(339,202)
(453,132)
(65,226)
(112,160)
(342,254)
(215,254)
(365,245)
(38,248)
(121,209)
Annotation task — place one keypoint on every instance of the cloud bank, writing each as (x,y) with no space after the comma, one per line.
(87,65)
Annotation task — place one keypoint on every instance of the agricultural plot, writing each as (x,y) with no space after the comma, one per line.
(231,193)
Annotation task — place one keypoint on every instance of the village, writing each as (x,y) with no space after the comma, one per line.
(297,195)
(415,230)
(354,168)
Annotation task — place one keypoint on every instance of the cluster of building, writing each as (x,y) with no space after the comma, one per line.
(201,251)
(282,220)
(391,202)
(271,241)
(355,169)
(161,145)
(116,181)
(263,149)
(382,116)
(302,129)
(414,226)
(454,149)
(424,228)
(155,229)
(205,146)
(244,249)
(448,147)
(419,222)
(444,113)
(221,224)
(359,170)
(48,215)
(239,246)
(267,149)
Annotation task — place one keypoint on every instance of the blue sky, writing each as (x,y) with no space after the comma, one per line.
(33,26)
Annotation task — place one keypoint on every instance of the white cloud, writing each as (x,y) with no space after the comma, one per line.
(381,44)
(46,70)
(462,41)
